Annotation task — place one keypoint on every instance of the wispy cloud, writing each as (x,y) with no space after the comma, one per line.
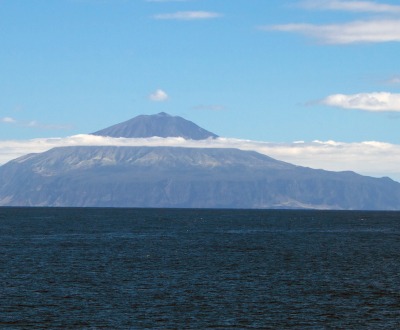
(393,80)
(8,120)
(210,107)
(34,124)
(381,101)
(168,0)
(56,127)
(187,15)
(354,6)
(369,31)
(386,28)
(158,96)
(369,158)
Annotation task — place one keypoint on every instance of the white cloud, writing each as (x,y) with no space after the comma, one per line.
(188,15)
(369,31)
(368,158)
(158,96)
(8,120)
(382,101)
(355,6)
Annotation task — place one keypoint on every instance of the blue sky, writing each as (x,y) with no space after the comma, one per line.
(264,70)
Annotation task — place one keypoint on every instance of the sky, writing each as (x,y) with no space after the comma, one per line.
(312,82)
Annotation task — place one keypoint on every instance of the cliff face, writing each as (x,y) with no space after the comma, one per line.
(184,177)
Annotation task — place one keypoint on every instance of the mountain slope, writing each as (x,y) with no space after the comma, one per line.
(162,125)
(184,177)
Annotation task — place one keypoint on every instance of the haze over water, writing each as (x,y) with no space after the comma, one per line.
(167,268)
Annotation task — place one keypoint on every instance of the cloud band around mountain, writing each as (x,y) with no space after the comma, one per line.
(368,158)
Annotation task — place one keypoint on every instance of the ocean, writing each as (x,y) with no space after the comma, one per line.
(89,268)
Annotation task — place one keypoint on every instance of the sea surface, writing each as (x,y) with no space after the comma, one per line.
(76,268)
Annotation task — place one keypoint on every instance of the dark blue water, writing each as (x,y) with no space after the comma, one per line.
(198,269)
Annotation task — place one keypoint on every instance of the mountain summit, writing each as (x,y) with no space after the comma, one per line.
(161,124)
